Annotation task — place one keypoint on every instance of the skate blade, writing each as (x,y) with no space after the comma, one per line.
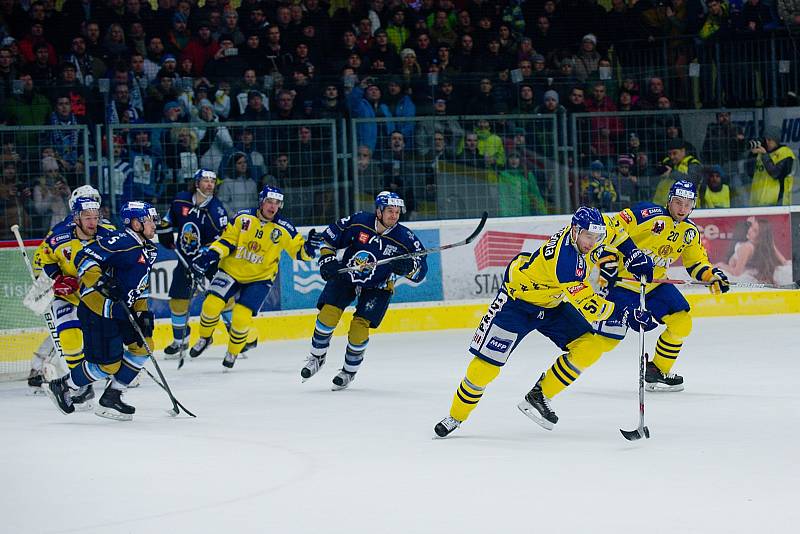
(52,397)
(108,413)
(532,414)
(84,406)
(242,356)
(334,387)
(659,387)
(37,392)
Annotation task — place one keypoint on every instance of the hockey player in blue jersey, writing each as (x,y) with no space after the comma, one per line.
(199,218)
(114,276)
(365,238)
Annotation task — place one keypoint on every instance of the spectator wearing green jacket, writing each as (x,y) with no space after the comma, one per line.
(30,108)
(518,190)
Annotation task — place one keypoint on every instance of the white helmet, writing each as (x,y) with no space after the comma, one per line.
(84,191)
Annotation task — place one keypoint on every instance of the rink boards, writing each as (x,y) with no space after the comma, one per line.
(459,285)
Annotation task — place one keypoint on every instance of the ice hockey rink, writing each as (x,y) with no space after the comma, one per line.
(269,454)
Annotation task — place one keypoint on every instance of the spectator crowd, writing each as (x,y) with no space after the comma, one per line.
(194,72)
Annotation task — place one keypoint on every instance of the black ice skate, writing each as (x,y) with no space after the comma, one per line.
(444,427)
(313,364)
(201,345)
(249,346)
(537,407)
(655,380)
(82,400)
(61,394)
(174,349)
(35,379)
(112,407)
(342,380)
(229,360)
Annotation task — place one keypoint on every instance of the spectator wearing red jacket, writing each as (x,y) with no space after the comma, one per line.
(201,49)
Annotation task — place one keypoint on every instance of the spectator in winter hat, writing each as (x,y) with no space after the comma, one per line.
(587,58)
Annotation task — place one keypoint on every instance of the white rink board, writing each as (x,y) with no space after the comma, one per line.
(270,455)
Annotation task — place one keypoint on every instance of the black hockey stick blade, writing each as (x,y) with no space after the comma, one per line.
(633,435)
(468,240)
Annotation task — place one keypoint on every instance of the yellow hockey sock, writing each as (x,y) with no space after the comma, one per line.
(470,390)
(668,346)
(209,316)
(240,327)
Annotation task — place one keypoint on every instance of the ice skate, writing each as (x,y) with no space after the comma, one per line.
(82,399)
(174,349)
(313,364)
(655,380)
(111,406)
(250,345)
(446,426)
(342,380)
(228,362)
(201,345)
(61,394)
(35,382)
(537,407)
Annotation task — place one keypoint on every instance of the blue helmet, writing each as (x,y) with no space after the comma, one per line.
(589,219)
(82,204)
(271,192)
(387,198)
(137,210)
(204,173)
(683,189)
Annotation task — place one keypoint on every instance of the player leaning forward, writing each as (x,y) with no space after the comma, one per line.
(548,291)
(365,238)
(247,256)
(114,276)
(665,234)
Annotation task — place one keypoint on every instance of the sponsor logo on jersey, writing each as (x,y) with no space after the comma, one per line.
(141,260)
(574,290)
(549,249)
(243,253)
(275,235)
(363,237)
(185,210)
(625,217)
(658,227)
(498,344)
(68,253)
(389,250)
(664,251)
(647,212)
(580,267)
(253,246)
(689,236)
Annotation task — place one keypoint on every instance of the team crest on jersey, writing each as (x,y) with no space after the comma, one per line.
(190,238)
(625,216)
(253,246)
(275,235)
(664,251)
(689,236)
(362,257)
(658,227)
(363,237)
(68,253)
(245,224)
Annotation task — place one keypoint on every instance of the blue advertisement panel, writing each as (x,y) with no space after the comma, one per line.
(161,278)
(301,283)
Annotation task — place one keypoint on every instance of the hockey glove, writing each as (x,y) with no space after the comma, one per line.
(146,321)
(329,267)
(719,281)
(110,288)
(404,266)
(206,263)
(313,242)
(640,265)
(65,285)
(634,318)
(166,238)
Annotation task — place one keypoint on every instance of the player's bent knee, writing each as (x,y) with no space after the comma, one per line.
(139,349)
(587,349)
(213,305)
(330,315)
(71,340)
(359,331)
(229,305)
(480,372)
(679,324)
(179,306)
(110,368)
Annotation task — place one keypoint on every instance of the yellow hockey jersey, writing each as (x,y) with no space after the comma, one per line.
(656,233)
(557,271)
(250,247)
(56,254)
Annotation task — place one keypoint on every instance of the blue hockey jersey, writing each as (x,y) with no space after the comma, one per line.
(197,226)
(363,244)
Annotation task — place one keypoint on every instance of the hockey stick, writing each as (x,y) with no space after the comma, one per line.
(642,431)
(193,288)
(373,264)
(751,285)
(176,406)
(48,315)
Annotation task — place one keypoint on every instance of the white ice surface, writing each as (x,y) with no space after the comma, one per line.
(269,454)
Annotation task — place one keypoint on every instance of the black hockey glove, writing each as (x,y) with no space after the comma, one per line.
(146,321)
(719,282)
(634,318)
(404,266)
(313,242)
(639,265)
(111,288)
(166,238)
(329,267)
(206,264)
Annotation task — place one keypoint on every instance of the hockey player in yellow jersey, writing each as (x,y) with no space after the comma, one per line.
(56,257)
(247,255)
(664,234)
(548,291)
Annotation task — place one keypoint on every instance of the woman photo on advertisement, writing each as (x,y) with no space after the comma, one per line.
(754,255)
